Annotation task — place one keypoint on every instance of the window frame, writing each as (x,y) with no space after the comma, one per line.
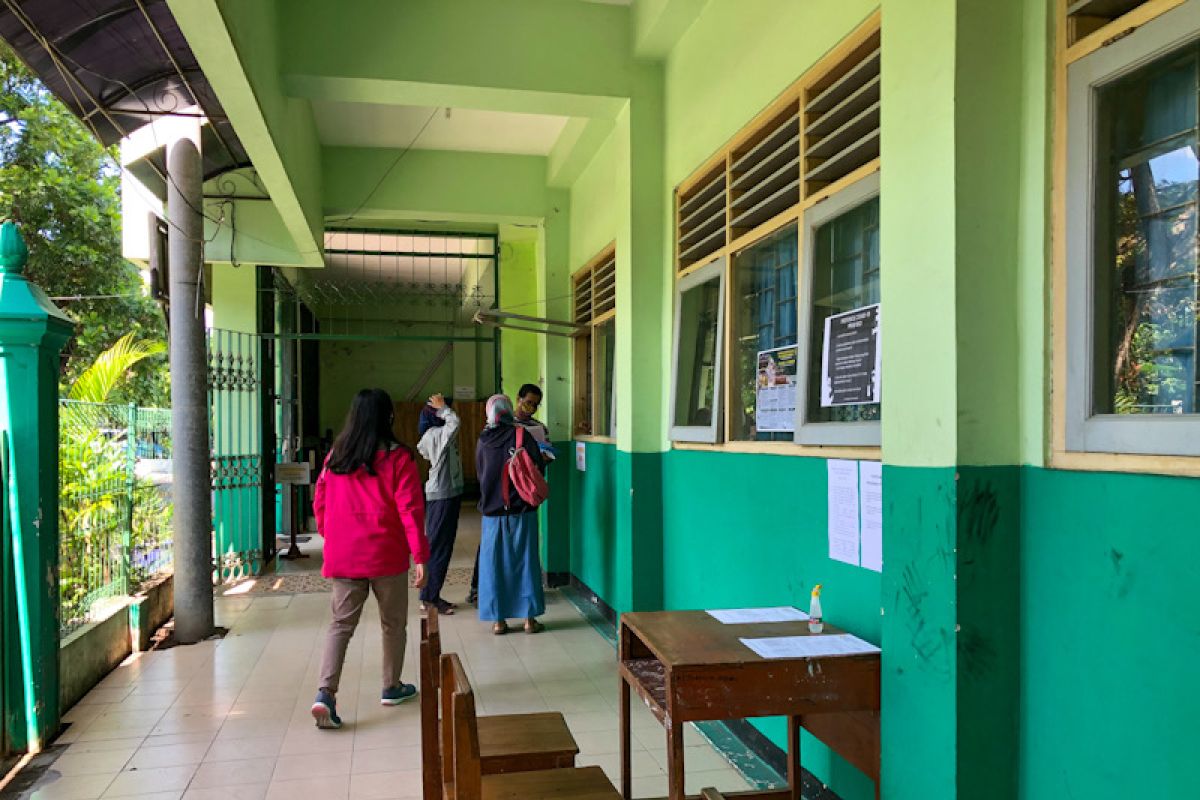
(709,434)
(1086,432)
(584,351)
(851,434)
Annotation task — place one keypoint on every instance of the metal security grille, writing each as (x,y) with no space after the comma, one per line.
(234,387)
(384,282)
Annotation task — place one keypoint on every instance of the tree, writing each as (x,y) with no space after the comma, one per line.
(63,187)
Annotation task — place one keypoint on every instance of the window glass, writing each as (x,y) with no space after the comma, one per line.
(764,318)
(696,364)
(845,277)
(583,385)
(1146,259)
(606,342)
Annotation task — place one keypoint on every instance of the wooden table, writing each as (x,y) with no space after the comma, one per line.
(689,667)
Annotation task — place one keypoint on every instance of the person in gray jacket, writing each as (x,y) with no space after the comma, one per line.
(438,429)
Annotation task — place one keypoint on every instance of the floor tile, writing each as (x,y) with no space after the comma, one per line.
(79,787)
(146,781)
(326,787)
(385,785)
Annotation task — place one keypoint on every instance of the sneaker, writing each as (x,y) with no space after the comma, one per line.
(324,711)
(398,694)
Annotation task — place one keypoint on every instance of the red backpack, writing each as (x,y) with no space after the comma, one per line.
(524,475)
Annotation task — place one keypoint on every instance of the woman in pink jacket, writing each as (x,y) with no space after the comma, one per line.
(370,508)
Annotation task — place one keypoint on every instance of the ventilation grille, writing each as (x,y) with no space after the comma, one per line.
(604,287)
(583,298)
(765,173)
(841,118)
(1085,17)
(702,219)
(596,288)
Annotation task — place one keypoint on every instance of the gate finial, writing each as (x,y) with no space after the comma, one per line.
(14,254)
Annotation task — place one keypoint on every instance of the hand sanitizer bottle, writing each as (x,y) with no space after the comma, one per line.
(815,623)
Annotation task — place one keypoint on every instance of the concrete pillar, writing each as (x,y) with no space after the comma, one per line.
(32,334)
(642,384)
(952,89)
(192,488)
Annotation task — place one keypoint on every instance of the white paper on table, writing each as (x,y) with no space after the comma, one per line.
(834,644)
(843,510)
(870,490)
(747,616)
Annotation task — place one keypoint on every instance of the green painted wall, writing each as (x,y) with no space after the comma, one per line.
(234,297)
(1110,637)
(519,363)
(594,204)
(593,525)
(443,183)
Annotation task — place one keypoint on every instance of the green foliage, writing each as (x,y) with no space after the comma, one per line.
(114,527)
(112,368)
(63,187)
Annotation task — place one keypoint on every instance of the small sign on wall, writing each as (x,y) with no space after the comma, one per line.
(464,392)
(298,473)
(581,456)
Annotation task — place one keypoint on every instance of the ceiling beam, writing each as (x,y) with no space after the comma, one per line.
(532,56)
(578,144)
(439,185)
(282,147)
(658,24)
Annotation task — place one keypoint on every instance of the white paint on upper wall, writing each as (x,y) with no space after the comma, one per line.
(371,125)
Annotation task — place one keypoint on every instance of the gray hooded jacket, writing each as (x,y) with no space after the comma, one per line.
(439,446)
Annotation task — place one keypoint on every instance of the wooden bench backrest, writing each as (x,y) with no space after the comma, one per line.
(431,749)
(464,728)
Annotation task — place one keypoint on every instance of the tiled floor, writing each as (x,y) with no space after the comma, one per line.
(230,719)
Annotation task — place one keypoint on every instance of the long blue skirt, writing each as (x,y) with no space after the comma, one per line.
(510,569)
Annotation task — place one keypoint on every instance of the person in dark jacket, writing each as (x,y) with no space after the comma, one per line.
(510,569)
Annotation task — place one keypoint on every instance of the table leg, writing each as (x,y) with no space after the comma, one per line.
(675,780)
(795,776)
(626,766)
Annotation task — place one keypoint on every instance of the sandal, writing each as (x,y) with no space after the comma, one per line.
(533,626)
(500,628)
(443,608)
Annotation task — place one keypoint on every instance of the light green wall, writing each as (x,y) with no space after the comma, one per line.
(732,62)
(519,362)
(436,182)
(234,298)
(594,204)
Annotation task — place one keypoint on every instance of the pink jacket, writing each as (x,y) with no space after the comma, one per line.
(372,524)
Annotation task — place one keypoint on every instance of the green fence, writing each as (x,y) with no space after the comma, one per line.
(114,503)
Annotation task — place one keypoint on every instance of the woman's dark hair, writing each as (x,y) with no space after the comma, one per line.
(368,429)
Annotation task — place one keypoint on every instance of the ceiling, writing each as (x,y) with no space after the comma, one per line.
(423,128)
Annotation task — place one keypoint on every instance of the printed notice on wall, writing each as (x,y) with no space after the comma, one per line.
(775,399)
(850,364)
(581,456)
(843,510)
(870,493)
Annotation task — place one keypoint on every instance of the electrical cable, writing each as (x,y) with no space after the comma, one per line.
(58,57)
(388,171)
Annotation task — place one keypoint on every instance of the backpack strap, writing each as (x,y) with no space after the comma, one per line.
(506,478)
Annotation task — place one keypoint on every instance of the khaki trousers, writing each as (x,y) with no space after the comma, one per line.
(349,596)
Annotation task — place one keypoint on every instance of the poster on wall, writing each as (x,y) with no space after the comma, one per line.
(775,398)
(581,456)
(850,363)
(870,494)
(843,510)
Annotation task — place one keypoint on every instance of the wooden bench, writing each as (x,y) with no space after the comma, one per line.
(467,778)
(507,743)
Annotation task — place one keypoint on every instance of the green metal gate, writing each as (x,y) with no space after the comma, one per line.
(234,393)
